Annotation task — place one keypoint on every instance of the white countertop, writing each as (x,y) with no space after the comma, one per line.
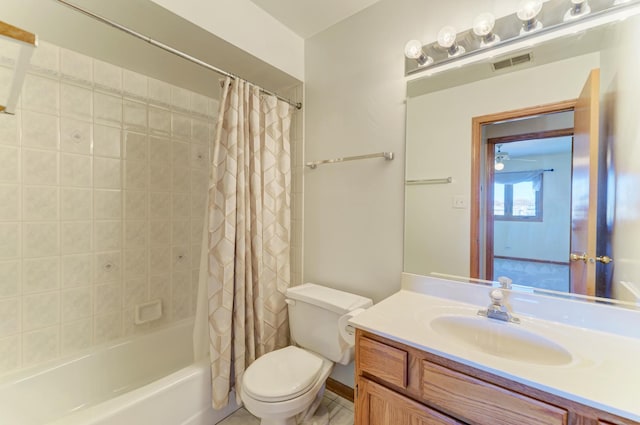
(604,341)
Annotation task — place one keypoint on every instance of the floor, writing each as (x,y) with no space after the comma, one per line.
(529,273)
(340,412)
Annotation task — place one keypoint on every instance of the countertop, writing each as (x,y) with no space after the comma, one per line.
(605,369)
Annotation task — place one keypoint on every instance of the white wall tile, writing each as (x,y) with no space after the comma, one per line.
(76,204)
(40,130)
(107,327)
(76,102)
(135,292)
(107,267)
(136,175)
(160,177)
(40,203)
(75,65)
(199,103)
(107,108)
(107,235)
(10,240)
(40,94)
(9,125)
(181,180)
(40,274)
(199,157)
(197,227)
(181,258)
(180,232)
(77,335)
(107,204)
(40,310)
(39,167)
(181,126)
(75,136)
(160,288)
(160,260)
(9,202)
(40,239)
(159,92)
(10,353)
(159,232)
(180,98)
(199,181)
(76,237)
(40,346)
(46,58)
(10,278)
(10,316)
(135,234)
(180,205)
(107,75)
(198,205)
(159,205)
(195,258)
(136,146)
(134,83)
(77,303)
(135,115)
(135,205)
(108,298)
(200,131)
(135,263)
(10,160)
(106,173)
(107,141)
(181,154)
(77,270)
(75,170)
(159,150)
(159,121)
(181,296)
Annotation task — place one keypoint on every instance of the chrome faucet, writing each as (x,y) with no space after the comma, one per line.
(497,309)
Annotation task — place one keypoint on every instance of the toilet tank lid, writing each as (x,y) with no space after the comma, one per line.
(339,302)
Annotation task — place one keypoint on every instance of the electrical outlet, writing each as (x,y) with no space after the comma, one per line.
(459,202)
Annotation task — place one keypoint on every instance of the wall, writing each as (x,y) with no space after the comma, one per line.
(103,176)
(437,236)
(621,92)
(541,240)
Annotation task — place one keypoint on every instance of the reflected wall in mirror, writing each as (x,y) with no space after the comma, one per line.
(440,117)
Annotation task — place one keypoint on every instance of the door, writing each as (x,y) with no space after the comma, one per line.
(584,190)
(377,405)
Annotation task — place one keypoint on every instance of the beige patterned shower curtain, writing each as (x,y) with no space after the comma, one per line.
(249,217)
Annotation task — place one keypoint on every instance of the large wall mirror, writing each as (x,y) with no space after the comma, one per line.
(496,169)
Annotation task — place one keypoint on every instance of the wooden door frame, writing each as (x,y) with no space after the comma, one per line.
(488,184)
(476,155)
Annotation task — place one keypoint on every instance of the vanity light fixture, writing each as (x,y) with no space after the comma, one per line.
(528,13)
(483,28)
(579,8)
(447,39)
(413,50)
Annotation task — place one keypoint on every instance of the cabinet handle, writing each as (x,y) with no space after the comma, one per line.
(604,259)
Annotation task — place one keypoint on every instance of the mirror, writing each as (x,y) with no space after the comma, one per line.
(439,196)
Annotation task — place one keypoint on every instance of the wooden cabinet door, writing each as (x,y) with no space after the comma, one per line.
(377,405)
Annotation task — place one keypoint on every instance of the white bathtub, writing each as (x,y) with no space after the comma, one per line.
(144,380)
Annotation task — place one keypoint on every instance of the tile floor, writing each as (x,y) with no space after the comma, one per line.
(340,412)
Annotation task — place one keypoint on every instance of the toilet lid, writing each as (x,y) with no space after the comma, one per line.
(282,374)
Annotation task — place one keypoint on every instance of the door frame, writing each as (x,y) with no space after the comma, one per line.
(489,180)
(476,166)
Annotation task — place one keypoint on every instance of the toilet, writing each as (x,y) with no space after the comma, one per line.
(285,387)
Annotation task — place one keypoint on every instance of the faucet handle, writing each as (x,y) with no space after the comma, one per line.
(496,296)
(505,282)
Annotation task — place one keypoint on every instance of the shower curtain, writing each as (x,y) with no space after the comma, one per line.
(246,265)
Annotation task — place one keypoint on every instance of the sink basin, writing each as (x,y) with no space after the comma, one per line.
(506,340)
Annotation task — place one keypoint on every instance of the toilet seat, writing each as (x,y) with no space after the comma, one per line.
(282,374)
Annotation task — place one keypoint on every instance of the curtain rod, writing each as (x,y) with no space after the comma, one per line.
(170,49)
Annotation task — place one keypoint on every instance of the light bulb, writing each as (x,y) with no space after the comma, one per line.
(527,13)
(447,39)
(578,9)
(413,50)
(499,166)
(483,27)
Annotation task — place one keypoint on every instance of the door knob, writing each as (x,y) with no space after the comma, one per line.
(604,259)
(578,257)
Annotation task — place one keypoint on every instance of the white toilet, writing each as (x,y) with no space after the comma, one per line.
(285,387)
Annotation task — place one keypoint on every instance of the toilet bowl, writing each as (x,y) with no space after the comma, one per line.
(286,386)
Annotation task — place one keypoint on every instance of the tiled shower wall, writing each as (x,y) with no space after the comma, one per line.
(103,176)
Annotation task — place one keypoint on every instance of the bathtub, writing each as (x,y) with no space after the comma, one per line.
(150,379)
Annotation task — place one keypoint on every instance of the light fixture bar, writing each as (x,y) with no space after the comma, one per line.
(508,29)
(27,41)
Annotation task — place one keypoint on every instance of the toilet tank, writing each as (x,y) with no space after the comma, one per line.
(313,318)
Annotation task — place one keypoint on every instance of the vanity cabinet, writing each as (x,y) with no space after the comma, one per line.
(400,385)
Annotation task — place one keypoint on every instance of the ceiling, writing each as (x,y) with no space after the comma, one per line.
(309,17)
